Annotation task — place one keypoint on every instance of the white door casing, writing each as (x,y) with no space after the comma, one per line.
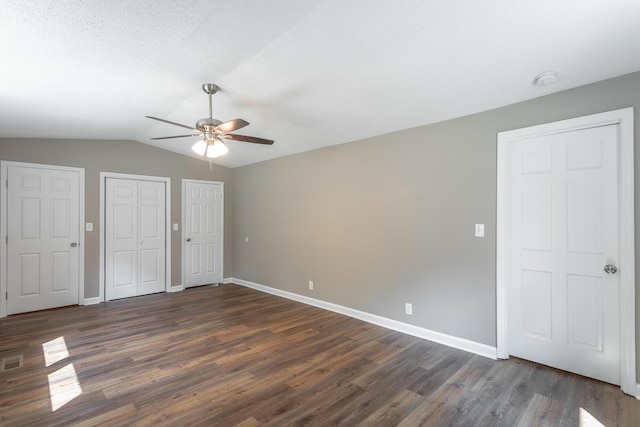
(140,250)
(555,303)
(202,228)
(44,243)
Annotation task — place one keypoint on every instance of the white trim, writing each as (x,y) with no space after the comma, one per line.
(176,288)
(167,187)
(4,166)
(81,239)
(416,331)
(92,301)
(227,280)
(182,226)
(624,119)
(627,253)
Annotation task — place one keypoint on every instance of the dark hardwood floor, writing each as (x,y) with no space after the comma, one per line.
(234,356)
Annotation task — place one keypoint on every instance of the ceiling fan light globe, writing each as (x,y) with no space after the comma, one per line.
(200,147)
(217,149)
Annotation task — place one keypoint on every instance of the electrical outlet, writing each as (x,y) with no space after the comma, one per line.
(311,284)
(408,309)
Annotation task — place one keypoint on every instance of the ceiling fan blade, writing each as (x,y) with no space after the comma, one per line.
(177,136)
(232,125)
(252,139)
(172,123)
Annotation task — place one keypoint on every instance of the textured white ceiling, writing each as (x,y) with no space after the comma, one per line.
(307,73)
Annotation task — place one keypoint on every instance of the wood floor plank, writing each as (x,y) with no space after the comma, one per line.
(230,355)
(542,411)
(119,415)
(394,410)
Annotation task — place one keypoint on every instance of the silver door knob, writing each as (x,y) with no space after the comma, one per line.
(610,269)
(74,244)
(188,239)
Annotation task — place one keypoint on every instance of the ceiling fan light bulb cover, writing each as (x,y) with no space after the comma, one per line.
(200,147)
(217,149)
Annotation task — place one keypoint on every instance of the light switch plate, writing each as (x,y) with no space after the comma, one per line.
(479,230)
(89,226)
(175,227)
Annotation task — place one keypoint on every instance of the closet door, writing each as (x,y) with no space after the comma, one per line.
(151,231)
(135,237)
(121,246)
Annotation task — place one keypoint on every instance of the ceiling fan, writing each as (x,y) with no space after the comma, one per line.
(213,131)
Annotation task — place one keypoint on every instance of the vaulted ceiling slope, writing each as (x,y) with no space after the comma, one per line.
(306,73)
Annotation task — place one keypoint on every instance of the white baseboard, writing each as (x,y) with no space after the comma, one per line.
(638,391)
(227,280)
(91,301)
(416,331)
(176,288)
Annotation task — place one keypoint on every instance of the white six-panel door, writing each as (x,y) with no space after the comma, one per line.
(563,228)
(43,234)
(134,237)
(203,225)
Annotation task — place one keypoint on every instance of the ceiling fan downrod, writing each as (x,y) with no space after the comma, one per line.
(210,89)
(207,125)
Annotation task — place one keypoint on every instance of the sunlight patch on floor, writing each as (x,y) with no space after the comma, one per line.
(63,386)
(588,420)
(55,351)
(63,383)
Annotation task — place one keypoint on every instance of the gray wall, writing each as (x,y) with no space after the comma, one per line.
(388,220)
(124,157)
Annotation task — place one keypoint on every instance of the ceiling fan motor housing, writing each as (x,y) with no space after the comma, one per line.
(207,125)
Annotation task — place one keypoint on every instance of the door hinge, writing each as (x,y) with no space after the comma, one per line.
(6,239)
(6,296)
